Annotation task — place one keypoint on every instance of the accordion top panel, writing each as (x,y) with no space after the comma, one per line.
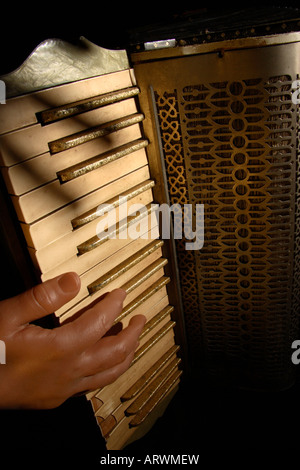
(209,26)
(55,61)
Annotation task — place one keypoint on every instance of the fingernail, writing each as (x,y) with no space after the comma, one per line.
(69,282)
(122,293)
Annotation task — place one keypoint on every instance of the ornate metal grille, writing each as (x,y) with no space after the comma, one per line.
(231,146)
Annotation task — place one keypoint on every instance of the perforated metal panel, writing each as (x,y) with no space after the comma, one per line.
(229,140)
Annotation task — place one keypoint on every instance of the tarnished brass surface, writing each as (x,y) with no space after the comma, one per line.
(125,266)
(156,319)
(113,203)
(159,394)
(142,382)
(73,109)
(152,388)
(96,162)
(155,338)
(144,275)
(229,130)
(80,138)
(98,239)
(217,47)
(163,281)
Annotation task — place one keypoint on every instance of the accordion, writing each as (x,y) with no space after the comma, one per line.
(170,169)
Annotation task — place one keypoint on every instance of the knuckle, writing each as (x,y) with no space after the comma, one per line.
(121,352)
(58,348)
(117,300)
(115,372)
(41,298)
(102,323)
(112,376)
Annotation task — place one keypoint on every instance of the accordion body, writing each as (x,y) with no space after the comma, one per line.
(212,125)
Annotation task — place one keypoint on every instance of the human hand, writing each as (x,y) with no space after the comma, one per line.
(44,367)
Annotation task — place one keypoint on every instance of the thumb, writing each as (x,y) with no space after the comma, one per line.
(43,299)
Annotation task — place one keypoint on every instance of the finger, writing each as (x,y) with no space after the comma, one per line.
(113,350)
(92,324)
(43,299)
(106,377)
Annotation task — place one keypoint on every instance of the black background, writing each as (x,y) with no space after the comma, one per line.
(201,417)
(108,24)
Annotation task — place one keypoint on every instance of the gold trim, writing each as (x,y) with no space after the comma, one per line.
(163,281)
(62,112)
(79,138)
(123,267)
(114,202)
(141,383)
(215,47)
(159,394)
(144,275)
(153,387)
(156,319)
(150,343)
(95,241)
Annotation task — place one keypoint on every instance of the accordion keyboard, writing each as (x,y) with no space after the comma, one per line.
(74,159)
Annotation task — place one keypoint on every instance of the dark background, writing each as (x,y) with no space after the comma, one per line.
(202,417)
(114,25)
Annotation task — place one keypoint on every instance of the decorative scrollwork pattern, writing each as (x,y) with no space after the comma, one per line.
(232,146)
